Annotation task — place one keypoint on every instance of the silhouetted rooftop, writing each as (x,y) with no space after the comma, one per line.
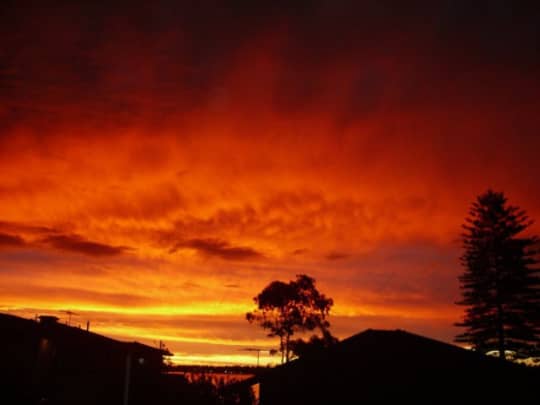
(50,324)
(395,365)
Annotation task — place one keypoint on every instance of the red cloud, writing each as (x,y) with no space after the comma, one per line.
(218,248)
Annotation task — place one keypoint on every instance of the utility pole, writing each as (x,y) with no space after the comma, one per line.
(127,378)
(258,350)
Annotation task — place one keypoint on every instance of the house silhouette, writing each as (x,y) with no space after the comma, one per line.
(394,367)
(45,361)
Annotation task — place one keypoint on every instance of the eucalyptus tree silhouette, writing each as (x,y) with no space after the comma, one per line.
(286,308)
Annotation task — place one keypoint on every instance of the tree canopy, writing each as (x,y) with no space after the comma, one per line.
(500,284)
(287,308)
(301,347)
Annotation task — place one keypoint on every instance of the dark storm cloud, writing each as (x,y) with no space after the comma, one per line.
(117,63)
(48,237)
(109,59)
(218,248)
(7,240)
(77,244)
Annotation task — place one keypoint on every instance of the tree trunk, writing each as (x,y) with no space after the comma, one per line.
(281,348)
(500,332)
(500,318)
(286,348)
(287,355)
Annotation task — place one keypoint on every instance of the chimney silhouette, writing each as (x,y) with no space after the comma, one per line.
(48,319)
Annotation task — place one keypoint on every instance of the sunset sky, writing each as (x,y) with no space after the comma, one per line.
(160,164)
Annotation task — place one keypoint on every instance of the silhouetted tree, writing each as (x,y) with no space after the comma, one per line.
(302,348)
(287,308)
(500,284)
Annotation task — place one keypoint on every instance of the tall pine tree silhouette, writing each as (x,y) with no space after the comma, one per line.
(501,283)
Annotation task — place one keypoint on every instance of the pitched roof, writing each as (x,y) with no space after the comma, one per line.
(17,324)
(403,350)
(395,366)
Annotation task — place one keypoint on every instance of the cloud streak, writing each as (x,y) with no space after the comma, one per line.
(25,228)
(218,248)
(77,244)
(7,240)
(336,256)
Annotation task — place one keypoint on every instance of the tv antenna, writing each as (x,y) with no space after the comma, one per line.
(69,313)
(258,350)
